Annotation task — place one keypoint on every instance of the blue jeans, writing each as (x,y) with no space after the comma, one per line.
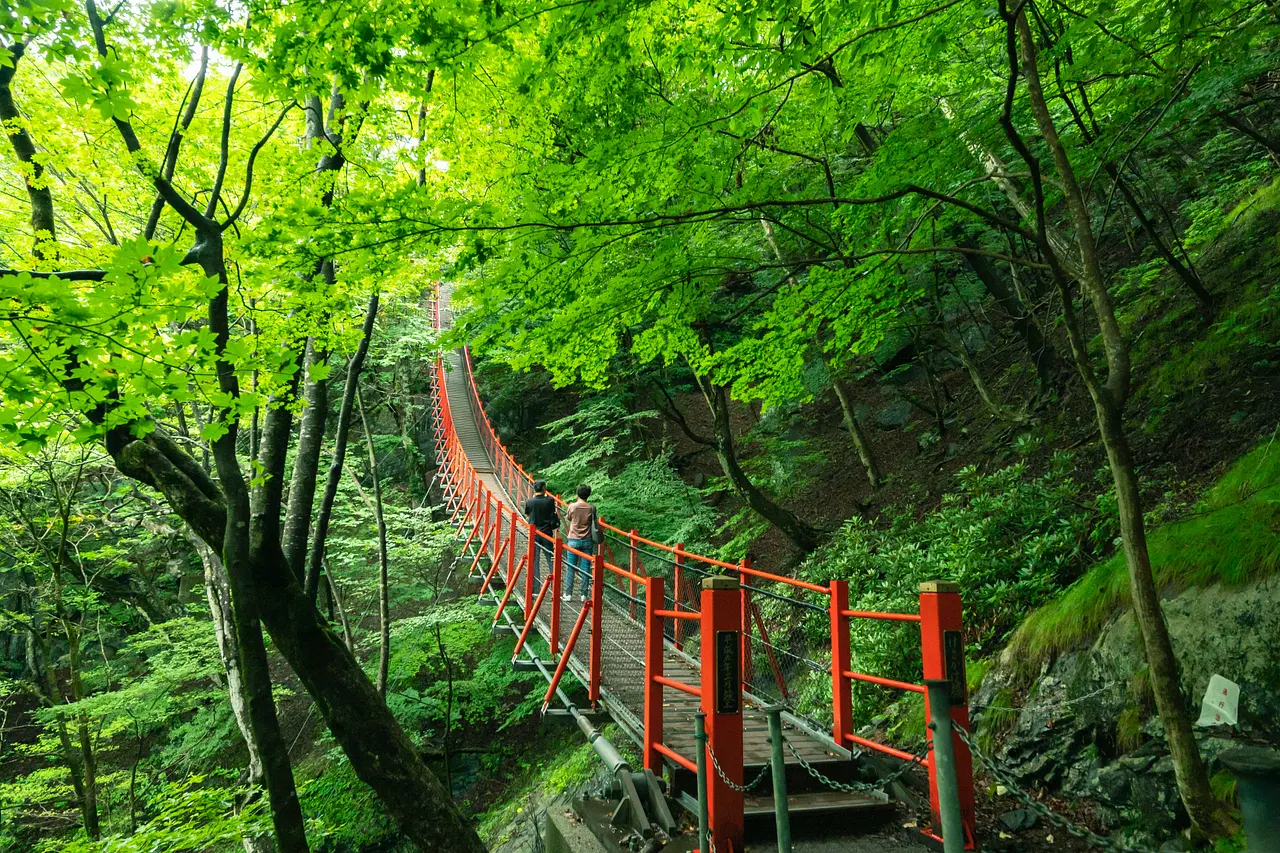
(541,553)
(580,565)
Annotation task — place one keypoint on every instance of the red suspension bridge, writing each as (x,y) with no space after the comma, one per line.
(666,633)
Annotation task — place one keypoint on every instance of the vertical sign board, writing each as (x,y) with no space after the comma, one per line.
(953,665)
(728,672)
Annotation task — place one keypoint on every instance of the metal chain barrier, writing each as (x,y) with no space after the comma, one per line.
(764,771)
(1006,779)
(854,787)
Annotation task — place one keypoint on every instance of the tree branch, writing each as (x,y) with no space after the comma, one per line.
(134,146)
(248,170)
(673,413)
(224,145)
(180,126)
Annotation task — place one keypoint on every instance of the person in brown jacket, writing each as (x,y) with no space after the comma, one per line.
(581,515)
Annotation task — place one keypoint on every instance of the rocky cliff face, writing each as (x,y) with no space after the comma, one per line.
(1087,727)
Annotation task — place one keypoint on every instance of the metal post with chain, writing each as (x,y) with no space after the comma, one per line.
(764,771)
(853,787)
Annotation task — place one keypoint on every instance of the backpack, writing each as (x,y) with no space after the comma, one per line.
(597,532)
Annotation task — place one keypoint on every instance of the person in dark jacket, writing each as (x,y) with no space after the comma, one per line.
(540,511)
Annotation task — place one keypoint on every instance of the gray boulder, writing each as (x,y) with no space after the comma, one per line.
(894,416)
(1065,736)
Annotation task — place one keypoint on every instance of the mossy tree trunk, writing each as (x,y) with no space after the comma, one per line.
(218,591)
(302,486)
(1109,397)
(384,586)
(856,433)
(801,534)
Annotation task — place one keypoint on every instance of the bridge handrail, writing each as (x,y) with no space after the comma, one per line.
(502,456)
(939,617)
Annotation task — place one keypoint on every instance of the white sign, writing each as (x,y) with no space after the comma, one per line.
(1221,702)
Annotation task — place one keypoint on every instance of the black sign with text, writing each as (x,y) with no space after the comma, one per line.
(728,673)
(953,648)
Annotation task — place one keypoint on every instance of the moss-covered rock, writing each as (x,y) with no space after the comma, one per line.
(1085,727)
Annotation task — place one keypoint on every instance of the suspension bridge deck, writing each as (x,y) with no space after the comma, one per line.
(622,640)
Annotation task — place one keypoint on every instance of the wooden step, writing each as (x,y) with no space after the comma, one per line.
(812,803)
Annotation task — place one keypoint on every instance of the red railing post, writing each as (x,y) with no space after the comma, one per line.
(748,671)
(722,704)
(488,520)
(511,555)
(677,590)
(460,492)
(468,502)
(497,531)
(557,575)
(528,619)
(633,565)
(653,602)
(568,650)
(942,647)
(841,687)
(533,555)
(597,617)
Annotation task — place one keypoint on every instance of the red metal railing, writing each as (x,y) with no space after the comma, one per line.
(789,675)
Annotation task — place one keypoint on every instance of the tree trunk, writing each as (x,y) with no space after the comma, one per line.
(999,410)
(856,433)
(339,450)
(1185,273)
(218,591)
(88,761)
(306,465)
(1041,351)
(446,739)
(380,752)
(45,684)
(1189,768)
(1108,400)
(238,543)
(273,446)
(1269,143)
(175,142)
(82,765)
(803,536)
(384,593)
(24,148)
(336,597)
(999,172)
(855,430)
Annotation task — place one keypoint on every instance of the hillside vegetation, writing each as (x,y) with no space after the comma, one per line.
(978,290)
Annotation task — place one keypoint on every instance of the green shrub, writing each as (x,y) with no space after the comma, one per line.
(1129,729)
(342,811)
(1009,538)
(191,817)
